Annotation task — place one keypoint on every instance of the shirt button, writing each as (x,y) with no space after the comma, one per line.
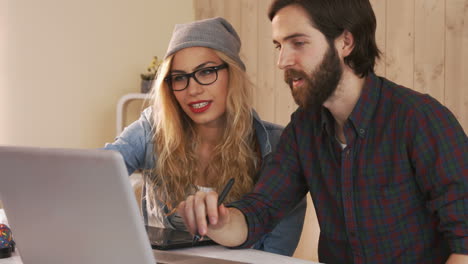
(362,131)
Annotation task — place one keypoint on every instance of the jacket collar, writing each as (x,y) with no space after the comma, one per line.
(262,134)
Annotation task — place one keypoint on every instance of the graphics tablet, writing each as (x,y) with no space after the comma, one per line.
(166,238)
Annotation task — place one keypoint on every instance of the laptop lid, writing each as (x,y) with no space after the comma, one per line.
(71,206)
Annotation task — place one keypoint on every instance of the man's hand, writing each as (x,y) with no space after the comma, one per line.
(457,259)
(226,226)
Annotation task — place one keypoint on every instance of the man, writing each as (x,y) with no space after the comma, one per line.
(387,167)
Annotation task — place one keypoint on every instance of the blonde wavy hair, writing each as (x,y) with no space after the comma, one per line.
(175,139)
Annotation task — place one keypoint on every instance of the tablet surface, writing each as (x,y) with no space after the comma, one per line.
(166,238)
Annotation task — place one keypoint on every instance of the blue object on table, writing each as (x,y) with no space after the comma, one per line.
(7,244)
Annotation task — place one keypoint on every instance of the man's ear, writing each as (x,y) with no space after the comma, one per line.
(345,43)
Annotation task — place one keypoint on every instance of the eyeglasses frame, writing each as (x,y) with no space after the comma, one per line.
(168,79)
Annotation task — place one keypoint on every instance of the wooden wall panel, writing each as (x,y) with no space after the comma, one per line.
(265,102)
(308,244)
(249,34)
(217,8)
(456,59)
(429,51)
(203,9)
(379,7)
(400,41)
(232,12)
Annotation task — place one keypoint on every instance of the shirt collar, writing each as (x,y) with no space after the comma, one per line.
(327,121)
(363,111)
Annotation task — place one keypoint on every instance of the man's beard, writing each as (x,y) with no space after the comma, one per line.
(321,83)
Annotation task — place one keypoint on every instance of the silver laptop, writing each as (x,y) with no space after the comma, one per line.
(71,206)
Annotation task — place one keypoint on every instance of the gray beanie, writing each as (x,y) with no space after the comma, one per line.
(216,33)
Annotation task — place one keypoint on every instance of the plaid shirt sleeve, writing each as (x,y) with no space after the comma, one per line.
(439,153)
(281,186)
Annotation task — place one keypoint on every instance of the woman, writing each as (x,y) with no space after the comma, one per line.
(201,130)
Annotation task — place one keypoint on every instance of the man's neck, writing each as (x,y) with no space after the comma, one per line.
(344,99)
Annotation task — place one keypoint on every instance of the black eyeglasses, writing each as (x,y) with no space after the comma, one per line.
(203,76)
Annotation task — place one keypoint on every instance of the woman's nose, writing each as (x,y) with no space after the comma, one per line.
(194,88)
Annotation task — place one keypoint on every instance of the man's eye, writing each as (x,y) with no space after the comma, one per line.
(299,43)
(277,46)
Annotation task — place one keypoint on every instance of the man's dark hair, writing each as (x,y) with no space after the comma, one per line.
(332,17)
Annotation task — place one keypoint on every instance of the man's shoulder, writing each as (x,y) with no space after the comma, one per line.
(413,106)
(406,98)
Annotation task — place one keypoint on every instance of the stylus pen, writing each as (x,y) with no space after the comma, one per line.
(221,198)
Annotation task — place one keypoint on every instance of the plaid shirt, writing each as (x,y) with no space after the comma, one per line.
(397,193)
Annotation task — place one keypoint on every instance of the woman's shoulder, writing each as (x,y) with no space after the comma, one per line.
(268,134)
(268,126)
(272,126)
(147,114)
(273,131)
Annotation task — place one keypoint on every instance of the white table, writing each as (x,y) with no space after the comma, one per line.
(220,252)
(243,255)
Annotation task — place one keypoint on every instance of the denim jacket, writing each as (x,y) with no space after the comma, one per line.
(136,146)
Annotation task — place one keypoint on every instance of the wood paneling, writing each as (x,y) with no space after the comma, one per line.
(399,41)
(424,45)
(249,30)
(456,59)
(204,9)
(265,102)
(233,12)
(429,51)
(379,7)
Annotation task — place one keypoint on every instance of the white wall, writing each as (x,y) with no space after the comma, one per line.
(64,64)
